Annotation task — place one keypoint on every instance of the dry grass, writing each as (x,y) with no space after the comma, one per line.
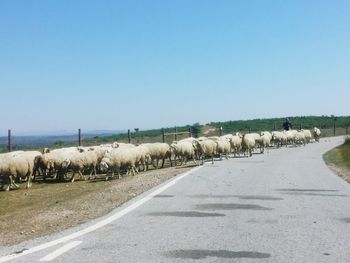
(51,207)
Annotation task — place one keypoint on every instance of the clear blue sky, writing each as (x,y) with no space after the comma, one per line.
(149,64)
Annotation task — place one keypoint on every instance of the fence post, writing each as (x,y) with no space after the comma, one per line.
(190,132)
(175,133)
(79,136)
(163,135)
(9,141)
(347,130)
(334,128)
(301,126)
(250,130)
(274,126)
(129,136)
(220,131)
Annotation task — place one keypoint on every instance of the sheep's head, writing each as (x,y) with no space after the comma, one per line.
(173,146)
(239,135)
(50,164)
(148,158)
(316,131)
(66,163)
(196,145)
(45,150)
(115,145)
(104,165)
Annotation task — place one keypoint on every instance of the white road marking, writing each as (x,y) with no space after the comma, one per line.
(61,250)
(99,224)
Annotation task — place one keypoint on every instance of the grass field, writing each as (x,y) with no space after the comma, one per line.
(338,159)
(339,156)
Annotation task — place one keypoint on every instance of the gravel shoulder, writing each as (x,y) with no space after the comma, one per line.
(51,207)
(341,171)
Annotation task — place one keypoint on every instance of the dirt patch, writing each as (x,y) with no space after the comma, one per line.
(208,130)
(51,207)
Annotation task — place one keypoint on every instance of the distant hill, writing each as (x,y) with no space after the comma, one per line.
(40,141)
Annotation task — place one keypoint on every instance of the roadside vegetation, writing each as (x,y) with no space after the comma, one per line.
(338,159)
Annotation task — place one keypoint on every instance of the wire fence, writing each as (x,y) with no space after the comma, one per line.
(163,135)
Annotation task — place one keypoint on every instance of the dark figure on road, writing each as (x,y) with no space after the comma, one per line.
(287,125)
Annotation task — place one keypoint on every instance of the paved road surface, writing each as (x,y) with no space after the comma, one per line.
(283,206)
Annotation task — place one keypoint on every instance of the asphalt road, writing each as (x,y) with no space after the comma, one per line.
(282,206)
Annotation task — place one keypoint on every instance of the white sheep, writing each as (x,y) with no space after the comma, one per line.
(316,133)
(80,161)
(267,133)
(290,136)
(223,146)
(143,156)
(183,150)
(265,141)
(158,151)
(123,145)
(52,161)
(226,136)
(19,166)
(189,139)
(279,138)
(236,143)
(4,167)
(206,148)
(300,138)
(257,138)
(307,134)
(9,154)
(248,144)
(118,159)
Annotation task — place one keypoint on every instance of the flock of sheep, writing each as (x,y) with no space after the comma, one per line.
(112,159)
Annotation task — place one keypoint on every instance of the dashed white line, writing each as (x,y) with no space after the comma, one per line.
(99,224)
(61,250)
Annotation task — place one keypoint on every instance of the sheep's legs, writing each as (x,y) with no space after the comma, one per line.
(194,160)
(171,164)
(72,180)
(29,181)
(12,183)
(134,170)
(93,171)
(7,183)
(107,175)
